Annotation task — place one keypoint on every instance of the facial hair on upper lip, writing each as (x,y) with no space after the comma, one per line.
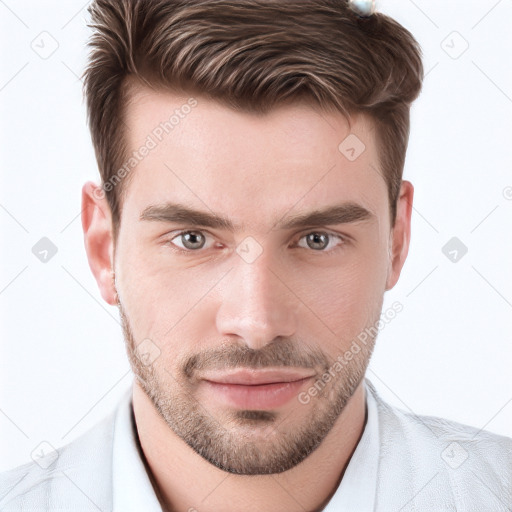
(279,353)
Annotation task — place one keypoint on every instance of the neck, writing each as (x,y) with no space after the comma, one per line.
(184,481)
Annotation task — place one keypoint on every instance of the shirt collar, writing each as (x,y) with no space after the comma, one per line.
(133,490)
(358,486)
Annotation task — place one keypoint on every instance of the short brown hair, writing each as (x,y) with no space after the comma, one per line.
(251,55)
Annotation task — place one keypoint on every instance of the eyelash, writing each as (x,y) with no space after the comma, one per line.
(342,239)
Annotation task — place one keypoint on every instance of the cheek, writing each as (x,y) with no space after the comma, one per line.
(139,284)
(158,295)
(349,298)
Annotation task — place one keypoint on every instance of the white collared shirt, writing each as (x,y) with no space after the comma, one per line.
(133,491)
(132,488)
(357,489)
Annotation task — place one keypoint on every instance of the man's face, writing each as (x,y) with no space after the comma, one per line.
(236,322)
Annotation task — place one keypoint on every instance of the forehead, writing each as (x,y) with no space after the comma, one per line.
(208,156)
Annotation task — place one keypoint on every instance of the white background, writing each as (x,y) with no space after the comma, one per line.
(448,353)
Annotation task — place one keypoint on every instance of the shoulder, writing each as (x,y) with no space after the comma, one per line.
(461,459)
(73,474)
(457,442)
(441,433)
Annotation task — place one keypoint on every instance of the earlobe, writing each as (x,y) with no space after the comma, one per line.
(98,239)
(400,234)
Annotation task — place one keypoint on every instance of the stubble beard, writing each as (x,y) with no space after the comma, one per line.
(250,442)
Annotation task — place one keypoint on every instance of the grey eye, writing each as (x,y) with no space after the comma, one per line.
(317,241)
(192,240)
(322,241)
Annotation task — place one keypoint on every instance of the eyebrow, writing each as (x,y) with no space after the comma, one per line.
(344,213)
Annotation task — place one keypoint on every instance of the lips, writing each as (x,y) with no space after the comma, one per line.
(255,389)
(248,377)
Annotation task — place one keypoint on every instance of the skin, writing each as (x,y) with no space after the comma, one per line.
(294,305)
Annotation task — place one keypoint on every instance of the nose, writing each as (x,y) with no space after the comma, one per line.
(257,303)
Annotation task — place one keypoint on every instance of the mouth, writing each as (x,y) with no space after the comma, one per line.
(255,389)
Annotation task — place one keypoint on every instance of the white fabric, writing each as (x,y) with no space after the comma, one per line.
(402,463)
(357,489)
(132,488)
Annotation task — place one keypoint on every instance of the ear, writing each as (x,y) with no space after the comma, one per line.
(400,234)
(98,238)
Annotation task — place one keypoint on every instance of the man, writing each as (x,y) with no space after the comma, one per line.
(251,216)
